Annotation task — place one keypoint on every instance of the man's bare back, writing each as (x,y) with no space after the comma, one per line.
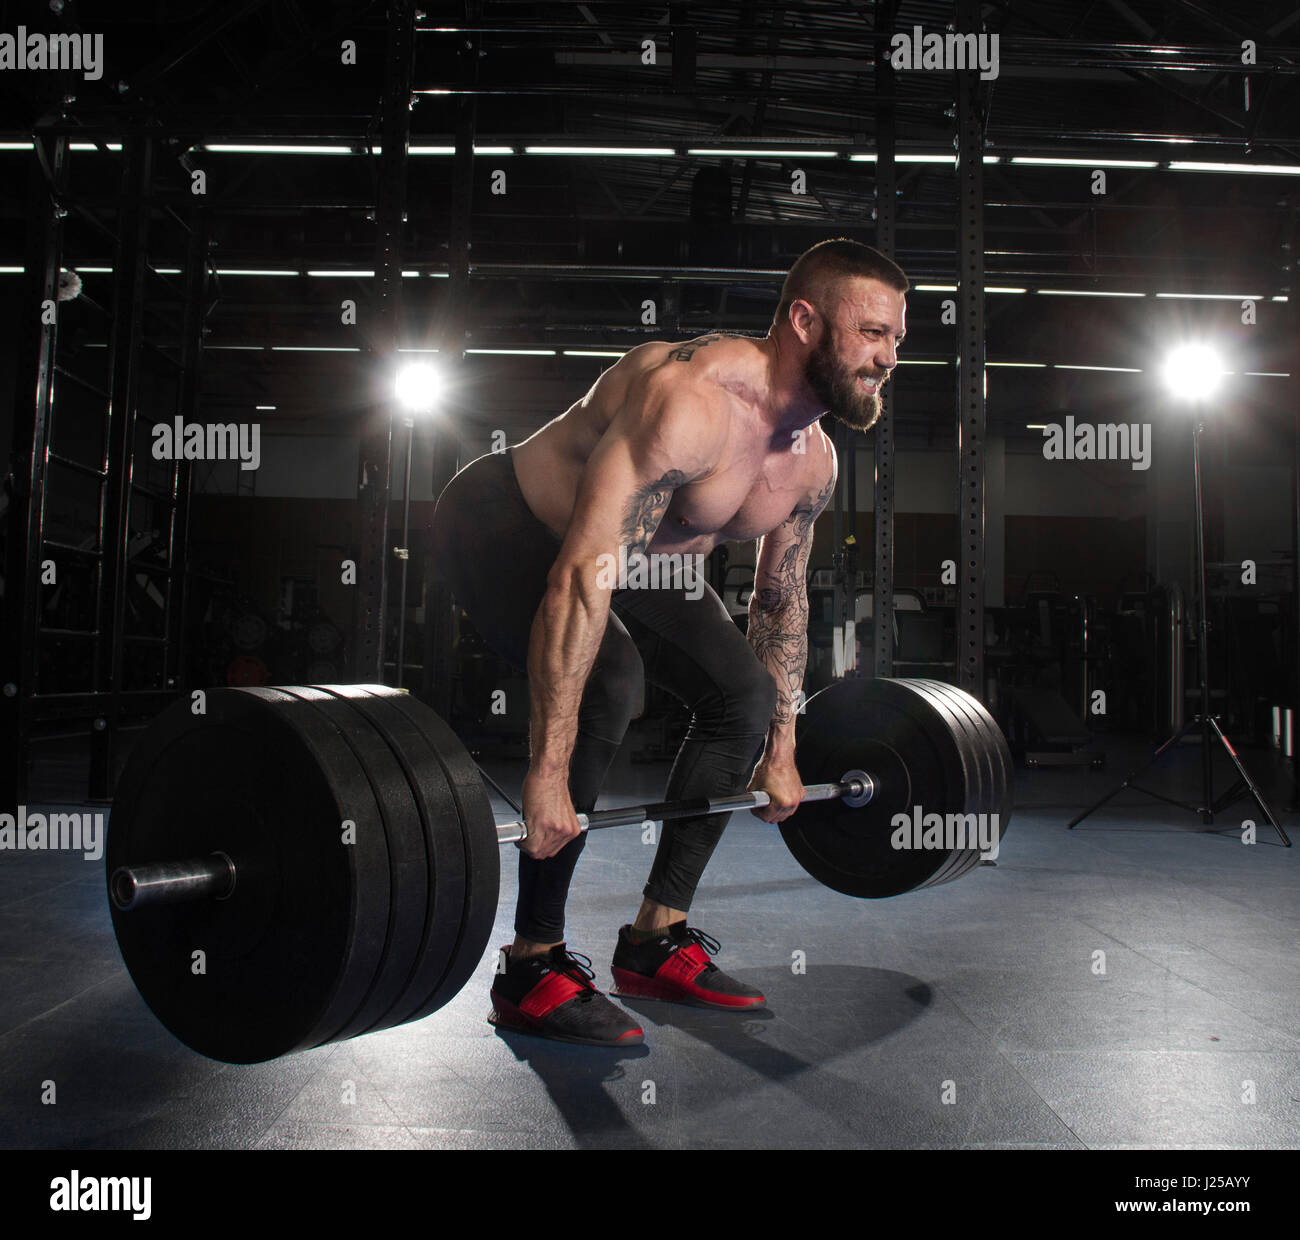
(757,478)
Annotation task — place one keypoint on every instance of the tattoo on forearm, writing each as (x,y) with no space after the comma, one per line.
(778,612)
(646,509)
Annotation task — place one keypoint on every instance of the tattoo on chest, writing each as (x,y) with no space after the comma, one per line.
(684,352)
(646,509)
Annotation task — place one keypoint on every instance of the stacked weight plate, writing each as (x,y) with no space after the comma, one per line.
(366,861)
(930,749)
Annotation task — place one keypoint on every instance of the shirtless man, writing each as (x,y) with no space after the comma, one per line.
(675,449)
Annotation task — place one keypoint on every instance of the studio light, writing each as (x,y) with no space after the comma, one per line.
(418,387)
(1193,372)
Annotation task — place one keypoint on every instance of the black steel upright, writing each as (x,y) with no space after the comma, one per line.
(882,590)
(1292,357)
(971,412)
(452,324)
(198,268)
(377,442)
(124,360)
(33,395)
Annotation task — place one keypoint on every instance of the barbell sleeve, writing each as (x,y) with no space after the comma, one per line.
(170,881)
(855,788)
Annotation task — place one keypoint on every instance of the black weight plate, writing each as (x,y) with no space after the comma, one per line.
(479,841)
(999,751)
(444,842)
(996,749)
(975,746)
(266,780)
(408,863)
(906,743)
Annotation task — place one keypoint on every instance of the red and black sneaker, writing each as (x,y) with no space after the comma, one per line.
(551,996)
(676,967)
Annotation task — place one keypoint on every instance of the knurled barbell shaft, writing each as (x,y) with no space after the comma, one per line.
(214,876)
(856,788)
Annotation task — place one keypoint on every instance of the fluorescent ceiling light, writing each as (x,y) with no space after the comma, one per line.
(916,361)
(92,146)
(599,150)
(1002,289)
(763,154)
(265,408)
(1046,162)
(1212,296)
(247,148)
(12,271)
(1269,374)
(1034,365)
(594,352)
(517,352)
(1119,370)
(320,275)
(1083,292)
(311,348)
(253,271)
(1278,170)
(925,159)
(935,288)
(15,146)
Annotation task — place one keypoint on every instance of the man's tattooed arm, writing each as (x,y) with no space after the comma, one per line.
(778,608)
(646,508)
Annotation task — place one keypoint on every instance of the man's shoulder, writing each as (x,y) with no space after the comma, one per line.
(719,342)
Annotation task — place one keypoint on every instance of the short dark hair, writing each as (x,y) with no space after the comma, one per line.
(818,269)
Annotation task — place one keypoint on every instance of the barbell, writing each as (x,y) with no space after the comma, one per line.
(299,865)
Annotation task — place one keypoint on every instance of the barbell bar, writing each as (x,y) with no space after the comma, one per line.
(214,877)
(299,865)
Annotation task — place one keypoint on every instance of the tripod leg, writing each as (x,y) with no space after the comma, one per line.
(1177,736)
(1250,783)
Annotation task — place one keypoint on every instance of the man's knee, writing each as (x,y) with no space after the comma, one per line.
(744,705)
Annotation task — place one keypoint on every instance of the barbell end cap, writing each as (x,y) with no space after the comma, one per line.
(859,788)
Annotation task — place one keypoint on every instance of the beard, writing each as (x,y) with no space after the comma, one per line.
(838,385)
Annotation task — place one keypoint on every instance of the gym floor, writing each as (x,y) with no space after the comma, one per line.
(977,1014)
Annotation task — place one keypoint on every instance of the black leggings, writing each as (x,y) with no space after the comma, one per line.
(496,555)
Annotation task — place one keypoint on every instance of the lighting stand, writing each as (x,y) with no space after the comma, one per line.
(1207,723)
